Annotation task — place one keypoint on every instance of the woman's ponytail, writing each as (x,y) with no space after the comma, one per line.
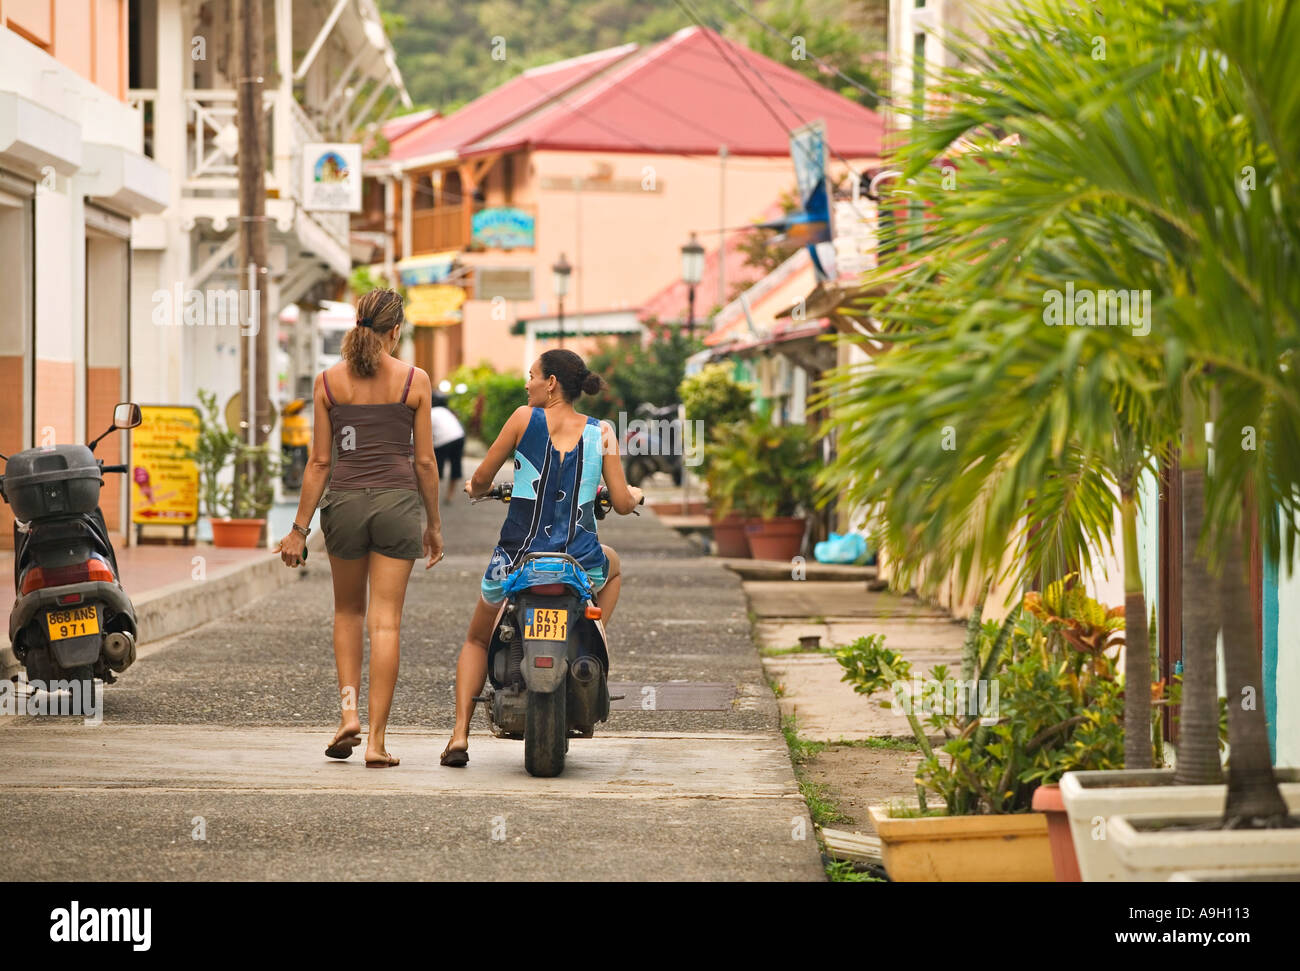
(378,312)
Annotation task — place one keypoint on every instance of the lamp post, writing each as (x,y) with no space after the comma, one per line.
(692,272)
(560,280)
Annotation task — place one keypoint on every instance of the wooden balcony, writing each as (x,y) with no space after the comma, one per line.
(434,230)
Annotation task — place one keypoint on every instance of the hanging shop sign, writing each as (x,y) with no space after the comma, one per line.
(502,228)
(435,305)
(331,177)
(164,483)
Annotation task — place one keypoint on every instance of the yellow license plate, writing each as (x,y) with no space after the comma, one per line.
(546,625)
(77,622)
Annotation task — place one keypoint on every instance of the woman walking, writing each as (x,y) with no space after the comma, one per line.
(372,412)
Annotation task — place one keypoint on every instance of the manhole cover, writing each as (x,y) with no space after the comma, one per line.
(672,695)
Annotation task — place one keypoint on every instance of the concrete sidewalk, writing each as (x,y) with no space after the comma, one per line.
(838,612)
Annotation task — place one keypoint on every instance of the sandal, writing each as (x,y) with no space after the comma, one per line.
(455,757)
(341,748)
(387,762)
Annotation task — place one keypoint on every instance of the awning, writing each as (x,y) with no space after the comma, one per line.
(429,268)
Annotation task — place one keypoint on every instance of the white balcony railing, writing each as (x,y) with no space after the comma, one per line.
(212,145)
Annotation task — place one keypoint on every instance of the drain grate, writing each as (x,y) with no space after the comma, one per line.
(672,695)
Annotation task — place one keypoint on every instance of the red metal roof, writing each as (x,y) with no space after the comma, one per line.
(684,96)
(503,105)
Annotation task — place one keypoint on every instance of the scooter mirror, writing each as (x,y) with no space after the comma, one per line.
(126,415)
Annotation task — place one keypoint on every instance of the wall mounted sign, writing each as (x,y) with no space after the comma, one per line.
(331,177)
(435,305)
(502,228)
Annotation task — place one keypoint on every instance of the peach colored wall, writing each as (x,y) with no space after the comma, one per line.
(11,438)
(624,245)
(55,410)
(103,391)
(88,36)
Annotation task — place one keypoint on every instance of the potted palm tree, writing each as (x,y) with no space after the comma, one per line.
(765,473)
(1052,422)
(236,510)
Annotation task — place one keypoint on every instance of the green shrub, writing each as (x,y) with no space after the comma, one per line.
(759,469)
(488,400)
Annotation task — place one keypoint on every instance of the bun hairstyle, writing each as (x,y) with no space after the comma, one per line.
(570,372)
(378,312)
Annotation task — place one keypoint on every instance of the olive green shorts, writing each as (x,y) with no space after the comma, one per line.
(385,521)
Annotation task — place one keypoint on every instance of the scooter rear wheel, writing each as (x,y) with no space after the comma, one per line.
(545,739)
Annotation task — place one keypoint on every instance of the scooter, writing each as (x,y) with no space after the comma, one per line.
(652,444)
(71,621)
(548,660)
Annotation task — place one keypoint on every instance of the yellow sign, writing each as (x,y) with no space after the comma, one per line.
(435,305)
(165,484)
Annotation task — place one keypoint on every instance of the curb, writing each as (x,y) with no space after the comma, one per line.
(174,609)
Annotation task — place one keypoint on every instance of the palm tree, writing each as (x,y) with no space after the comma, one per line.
(1127,177)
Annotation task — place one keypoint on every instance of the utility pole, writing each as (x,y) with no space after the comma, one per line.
(251,122)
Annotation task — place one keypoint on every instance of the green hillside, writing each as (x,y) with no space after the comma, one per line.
(450,52)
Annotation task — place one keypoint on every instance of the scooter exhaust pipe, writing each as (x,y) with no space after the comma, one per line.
(586,687)
(119,650)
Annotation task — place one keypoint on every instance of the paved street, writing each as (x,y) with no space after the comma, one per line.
(229,722)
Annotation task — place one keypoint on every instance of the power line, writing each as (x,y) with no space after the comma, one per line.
(819,61)
(711,33)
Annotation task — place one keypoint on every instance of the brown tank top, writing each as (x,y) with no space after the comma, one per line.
(373,445)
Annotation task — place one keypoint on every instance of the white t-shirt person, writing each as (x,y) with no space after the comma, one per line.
(446,426)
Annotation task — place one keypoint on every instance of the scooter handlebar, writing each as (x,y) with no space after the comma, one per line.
(115,468)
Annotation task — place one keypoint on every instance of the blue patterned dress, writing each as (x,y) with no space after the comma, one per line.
(552,508)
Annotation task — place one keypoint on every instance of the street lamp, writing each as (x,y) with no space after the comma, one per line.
(692,272)
(560,280)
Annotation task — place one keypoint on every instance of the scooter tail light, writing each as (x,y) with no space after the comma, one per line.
(543,662)
(70,598)
(39,578)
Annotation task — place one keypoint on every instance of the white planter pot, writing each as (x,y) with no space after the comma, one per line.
(1147,853)
(1093,799)
(1263,874)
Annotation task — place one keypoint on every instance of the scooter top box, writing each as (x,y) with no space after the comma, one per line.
(57,480)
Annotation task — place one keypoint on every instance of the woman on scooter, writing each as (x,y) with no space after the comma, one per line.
(559,456)
(368,407)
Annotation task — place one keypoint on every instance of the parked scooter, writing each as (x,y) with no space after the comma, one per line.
(653,443)
(295,441)
(548,661)
(71,621)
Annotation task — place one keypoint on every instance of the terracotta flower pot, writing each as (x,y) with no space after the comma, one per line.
(237,532)
(729,536)
(775,539)
(1048,801)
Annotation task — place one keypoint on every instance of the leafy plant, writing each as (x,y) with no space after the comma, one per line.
(759,469)
(488,401)
(215,448)
(713,396)
(256,469)
(637,374)
(1047,701)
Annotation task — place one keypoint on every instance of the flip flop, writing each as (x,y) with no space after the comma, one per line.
(454,757)
(341,748)
(387,762)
